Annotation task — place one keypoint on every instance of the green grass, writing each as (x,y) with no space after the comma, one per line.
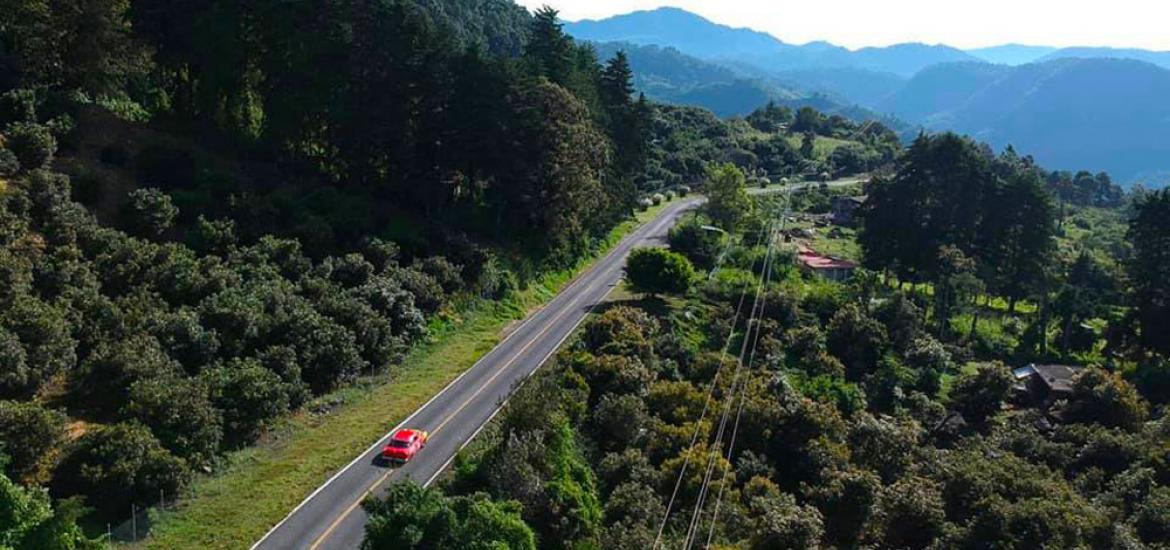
(822,146)
(948,380)
(258,486)
(843,246)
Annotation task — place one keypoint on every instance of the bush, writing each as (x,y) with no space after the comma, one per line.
(18,105)
(119,465)
(28,433)
(428,294)
(249,396)
(657,199)
(496,282)
(149,212)
(32,143)
(1103,398)
(980,395)
(659,271)
(9,164)
(179,414)
(700,246)
(443,271)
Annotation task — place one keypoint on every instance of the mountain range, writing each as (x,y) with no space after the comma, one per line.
(1099,109)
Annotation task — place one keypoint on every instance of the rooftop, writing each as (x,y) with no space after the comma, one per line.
(1058,378)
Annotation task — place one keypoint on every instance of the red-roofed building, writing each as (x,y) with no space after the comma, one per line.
(834,269)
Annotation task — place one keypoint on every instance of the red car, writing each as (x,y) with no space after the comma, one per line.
(404,444)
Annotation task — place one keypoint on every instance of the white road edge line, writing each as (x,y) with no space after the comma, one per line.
(527,377)
(519,329)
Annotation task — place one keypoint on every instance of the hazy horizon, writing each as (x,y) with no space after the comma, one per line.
(857,23)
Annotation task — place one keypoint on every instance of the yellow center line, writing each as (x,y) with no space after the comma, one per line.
(567,309)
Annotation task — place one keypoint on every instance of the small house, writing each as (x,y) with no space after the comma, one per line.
(834,269)
(844,208)
(1045,383)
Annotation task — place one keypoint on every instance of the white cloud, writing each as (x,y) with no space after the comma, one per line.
(961,23)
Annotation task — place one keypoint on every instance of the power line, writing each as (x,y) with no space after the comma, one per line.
(703,414)
(737,384)
(739,411)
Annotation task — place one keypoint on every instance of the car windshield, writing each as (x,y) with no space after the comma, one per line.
(399,443)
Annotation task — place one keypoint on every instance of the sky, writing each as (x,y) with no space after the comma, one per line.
(959,23)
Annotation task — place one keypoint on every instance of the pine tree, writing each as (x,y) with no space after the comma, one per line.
(550,50)
(1149,231)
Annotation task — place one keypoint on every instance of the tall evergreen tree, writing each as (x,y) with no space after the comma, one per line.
(1016,237)
(1149,270)
(550,50)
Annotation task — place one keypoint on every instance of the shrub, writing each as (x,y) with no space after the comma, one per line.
(18,105)
(700,246)
(9,164)
(980,395)
(28,432)
(428,294)
(149,212)
(444,272)
(32,143)
(658,271)
(351,270)
(179,414)
(249,396)
(117,465)
(496,282)
(1105,398)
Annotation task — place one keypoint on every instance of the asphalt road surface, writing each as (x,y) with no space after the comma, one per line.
(332,516)
(805,185)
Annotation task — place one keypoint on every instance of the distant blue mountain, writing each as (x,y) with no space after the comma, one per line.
(693,35)
(1073,108)
(673,27)
(1161,59)
(670,76)
(1012,54)
(1096,114)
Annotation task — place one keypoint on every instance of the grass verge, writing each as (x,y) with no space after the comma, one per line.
(258,486)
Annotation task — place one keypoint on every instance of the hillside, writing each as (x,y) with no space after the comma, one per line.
(860,86)
(1161,59)
(668,75)
(731,89)
(937,90)
(1059,111)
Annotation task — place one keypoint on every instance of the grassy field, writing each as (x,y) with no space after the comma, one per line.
(822,146)
(258,486)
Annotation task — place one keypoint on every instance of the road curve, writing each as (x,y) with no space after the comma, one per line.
(332,517)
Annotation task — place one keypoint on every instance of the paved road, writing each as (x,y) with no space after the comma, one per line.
(801,186)
(332,517)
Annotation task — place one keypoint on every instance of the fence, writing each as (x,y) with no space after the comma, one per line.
(141,518)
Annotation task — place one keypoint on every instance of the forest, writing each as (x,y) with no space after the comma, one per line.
(202,232)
